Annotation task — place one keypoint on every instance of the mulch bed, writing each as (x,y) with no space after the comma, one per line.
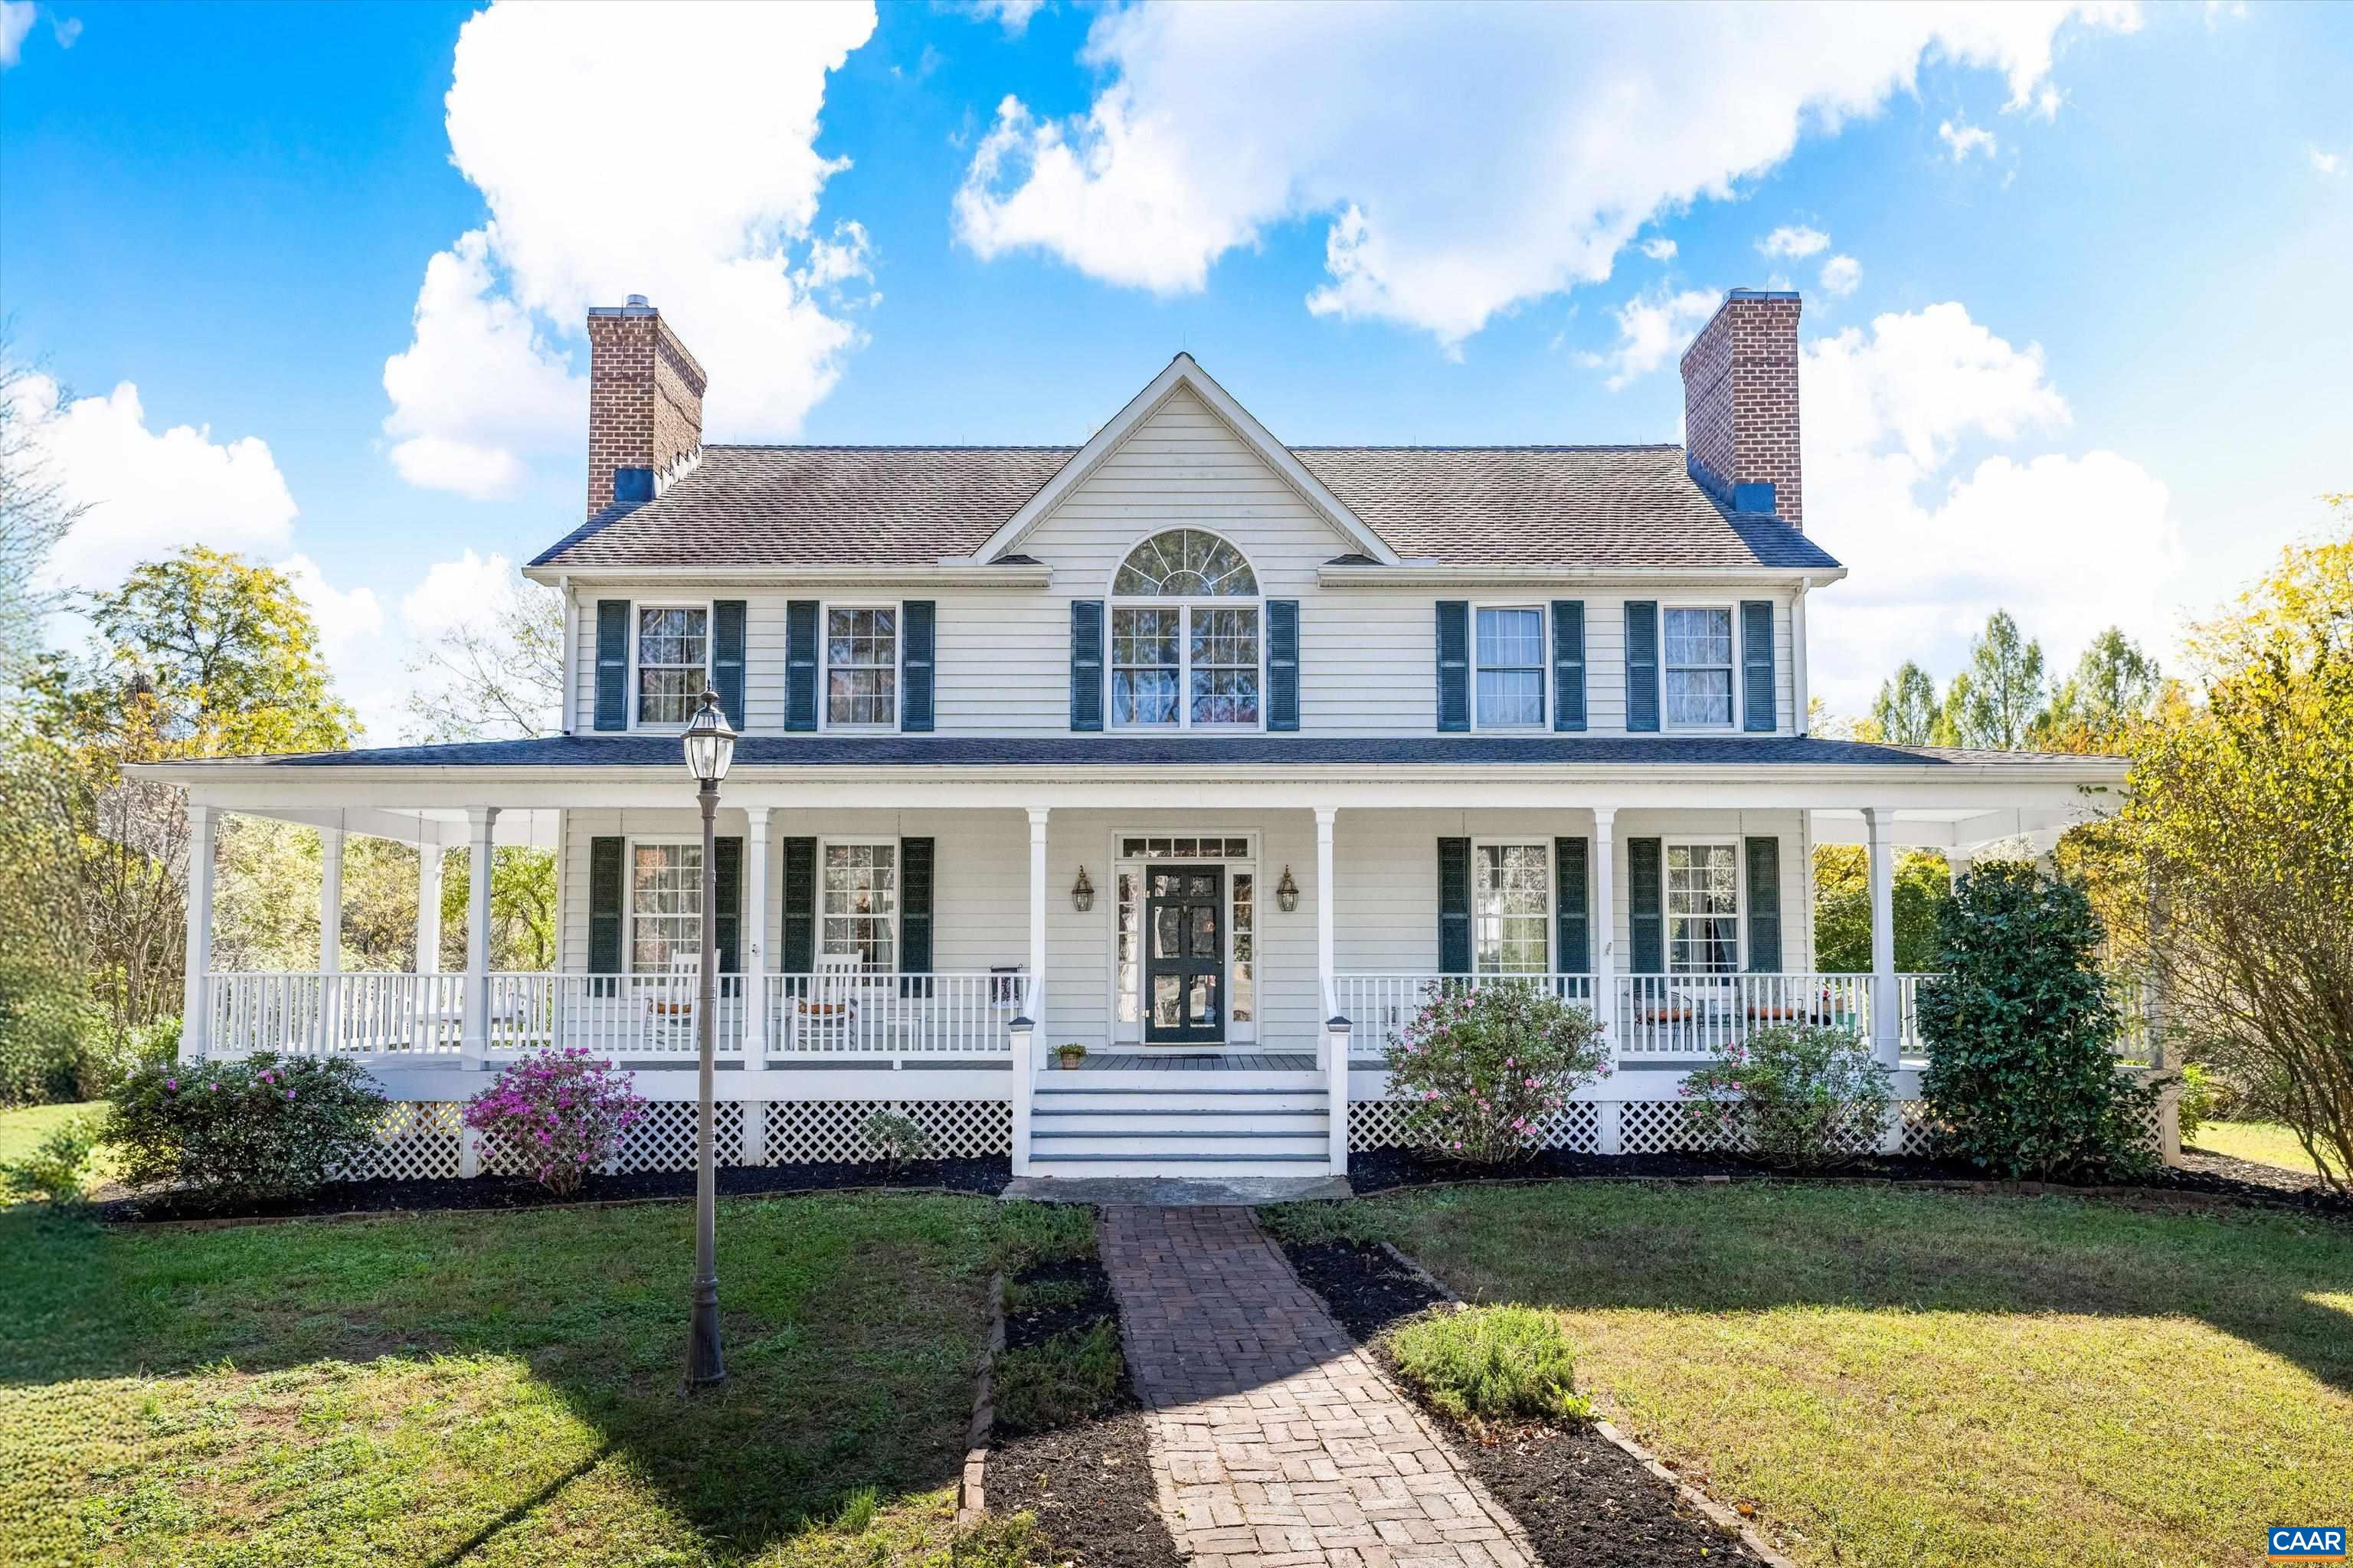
(1583,1502)
(2208,1176)
(985,1177)
(1089,1486)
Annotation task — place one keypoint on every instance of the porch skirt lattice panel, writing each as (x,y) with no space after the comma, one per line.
(415,1138)
(800,1131)
(1380,1124)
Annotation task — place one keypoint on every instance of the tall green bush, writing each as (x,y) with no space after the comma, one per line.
(52,1040)
(2021,1077)
(238,1132)
(1793,1094)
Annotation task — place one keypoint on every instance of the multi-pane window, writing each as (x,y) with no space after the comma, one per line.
(1702,908)
(665,905)
(861,665)
(1698,666)
(858,904)
(1185,665)
(673,662)
(1241,1001)
(1510,908)
(1511,667)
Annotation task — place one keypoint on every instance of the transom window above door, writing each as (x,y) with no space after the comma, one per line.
(1702,908)
(1176,663)
(673,662)
(861,665)
(1698,666)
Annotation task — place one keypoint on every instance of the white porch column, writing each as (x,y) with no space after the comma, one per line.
(331,900)
(1336,1027)
(480,819)
(1886,1022)
(1027,1027)
(755,942)
(428,908)
(1325,899)
(196,1010)
(1605,926)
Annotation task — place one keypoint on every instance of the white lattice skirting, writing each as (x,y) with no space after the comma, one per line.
(1644,1127)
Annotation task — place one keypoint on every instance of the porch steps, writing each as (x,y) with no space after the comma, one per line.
(1224,1124)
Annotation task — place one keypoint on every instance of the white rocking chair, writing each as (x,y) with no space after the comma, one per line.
(672,1000)
(829,1015)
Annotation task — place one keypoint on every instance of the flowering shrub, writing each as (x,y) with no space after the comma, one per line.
(1796,1094)
(559,1112)
(265,1126)
(1479,1069)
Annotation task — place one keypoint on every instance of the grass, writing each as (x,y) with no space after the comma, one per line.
(23,1126)
(1486,1363)
(502,1388)
(1906,1378)
(1071,1378)
(2264,1142)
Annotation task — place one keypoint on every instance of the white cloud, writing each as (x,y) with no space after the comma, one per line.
(16,21)
(1216,122)
(703,197)
(466,589)
(66,30)
(1793,240)
(2068,544)
(1013,16)
(1842,275)
(1966,138)
(1652,329)
(366,663)
(1660,249)
(2327,163)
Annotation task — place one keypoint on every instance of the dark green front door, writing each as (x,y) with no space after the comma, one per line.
(1184,955)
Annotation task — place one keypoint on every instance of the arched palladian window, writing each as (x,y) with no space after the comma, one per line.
(1185,635)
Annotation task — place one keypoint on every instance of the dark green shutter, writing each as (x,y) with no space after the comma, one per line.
(605,910)
(1573,935)
(1646,904)
(1453,666)
(612,663)
(1764,906)
(919,642)
(727,930)
(1283,663)
(1642,664)
(727,657)
(915,866)
(798,956)
(1454,907)
(1086,663)
(1756,665)
(800,664)
(1568,663)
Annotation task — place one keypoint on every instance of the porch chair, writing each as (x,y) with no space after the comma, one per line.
(829,1015)
(672,1003)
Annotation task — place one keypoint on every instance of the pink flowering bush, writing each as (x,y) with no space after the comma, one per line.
(264,1127)
(560,1113)
(1480,1069)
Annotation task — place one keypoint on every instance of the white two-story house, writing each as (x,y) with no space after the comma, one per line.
(1210,754)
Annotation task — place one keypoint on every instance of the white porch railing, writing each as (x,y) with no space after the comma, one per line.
(1699,1015)
(351,1013)
(838,1014)
(1380,1006)
(628,1016)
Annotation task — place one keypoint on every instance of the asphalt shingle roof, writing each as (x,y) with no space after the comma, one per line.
(1067,751)
(798,505)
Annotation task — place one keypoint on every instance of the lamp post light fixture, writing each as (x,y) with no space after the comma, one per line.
(710,745)
(1083,892)
(1286,892)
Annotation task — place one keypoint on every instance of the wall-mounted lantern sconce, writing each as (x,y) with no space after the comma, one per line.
(1083,892)
(1286,892)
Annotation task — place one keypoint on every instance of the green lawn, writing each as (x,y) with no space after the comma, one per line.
(500,1388)
(24,1126)
(2266,1143)
(1901,1378)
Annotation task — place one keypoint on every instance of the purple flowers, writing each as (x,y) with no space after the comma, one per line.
(172,1084)
(570,1111)
(1484,1065)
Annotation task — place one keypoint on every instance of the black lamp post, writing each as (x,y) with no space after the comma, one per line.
(709,747)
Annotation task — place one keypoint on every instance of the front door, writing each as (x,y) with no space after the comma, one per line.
(1184,955)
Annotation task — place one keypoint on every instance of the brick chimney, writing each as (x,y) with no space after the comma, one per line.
(645,404)
(1740,405)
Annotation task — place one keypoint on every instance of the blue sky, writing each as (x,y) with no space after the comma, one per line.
(2091,363)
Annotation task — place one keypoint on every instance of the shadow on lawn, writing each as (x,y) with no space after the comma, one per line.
(1753,1248)
(852,1329)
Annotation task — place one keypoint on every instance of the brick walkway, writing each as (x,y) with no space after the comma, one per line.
(1275,1443)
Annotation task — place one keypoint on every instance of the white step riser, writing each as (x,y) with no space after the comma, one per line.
(1175,1102)
(1196,1122)
(1255,1078)
(1256,1147)
(1190,1169)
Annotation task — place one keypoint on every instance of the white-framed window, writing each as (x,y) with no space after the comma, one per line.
(665,903)
(861,666)
(1696,665)
(1508,644)
(1703,906)
(669,660)
(858,902)
(1511,907)
(1186,628)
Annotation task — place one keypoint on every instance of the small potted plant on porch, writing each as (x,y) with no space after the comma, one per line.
(1069,1055)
